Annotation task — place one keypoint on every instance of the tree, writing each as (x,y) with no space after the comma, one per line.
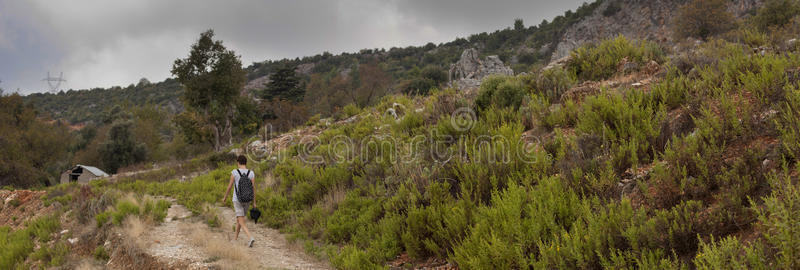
(776,13)
(120,149)
(426,79)
(285,85)
(518,25)
(703,18)
(33,150)
(212,77)
(373,84)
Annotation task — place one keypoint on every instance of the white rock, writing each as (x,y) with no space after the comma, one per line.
(72,240)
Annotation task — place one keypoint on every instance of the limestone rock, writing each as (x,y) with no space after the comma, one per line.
(470,69)
(652,20)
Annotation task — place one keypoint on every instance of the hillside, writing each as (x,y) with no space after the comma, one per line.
(628,153)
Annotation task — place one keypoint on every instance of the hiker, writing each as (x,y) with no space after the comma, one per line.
(243,195)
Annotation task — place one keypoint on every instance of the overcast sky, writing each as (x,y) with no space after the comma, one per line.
(103,43)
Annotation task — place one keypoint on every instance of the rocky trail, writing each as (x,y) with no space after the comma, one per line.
(185,240)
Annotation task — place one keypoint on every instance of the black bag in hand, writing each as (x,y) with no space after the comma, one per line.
(255,214)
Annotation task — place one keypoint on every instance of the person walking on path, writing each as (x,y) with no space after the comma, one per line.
(240,205)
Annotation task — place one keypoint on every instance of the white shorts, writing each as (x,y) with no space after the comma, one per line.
(240,208)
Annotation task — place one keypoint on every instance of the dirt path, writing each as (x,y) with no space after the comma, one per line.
(182,238)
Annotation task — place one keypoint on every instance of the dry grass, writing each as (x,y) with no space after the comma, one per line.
(88,264)
(269,180)
(334,197)
(134,228)
(216,245)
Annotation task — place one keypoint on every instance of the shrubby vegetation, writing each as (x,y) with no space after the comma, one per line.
(19,245)
(703,18)
(697,169)
(33,149)
(601,61)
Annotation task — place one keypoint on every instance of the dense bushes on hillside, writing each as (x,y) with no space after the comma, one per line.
(688,197)
(776,13)
(703,18)
(600,61)
(34,151)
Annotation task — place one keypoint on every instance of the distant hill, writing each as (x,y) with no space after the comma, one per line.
(520,47)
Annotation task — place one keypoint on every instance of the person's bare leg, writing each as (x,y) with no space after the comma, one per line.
(238,228)
(246,231)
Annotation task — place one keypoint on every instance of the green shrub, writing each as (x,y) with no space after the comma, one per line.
(351,257)
(788,124)
(562,115)
(124,209)
(14,203)
(552,83)
(779,219)
(348,111)
(515,224)
(500,91)
(703,18)
(408,123)
(600,61)
(157,210)
(729,253)
(628,124)
(436,228)
(18,245)
(776,13)
(672,91)
(353,213)
(102,218)
(100,253)
(51,255)
(673,230)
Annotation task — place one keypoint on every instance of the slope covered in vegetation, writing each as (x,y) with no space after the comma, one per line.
(688,164)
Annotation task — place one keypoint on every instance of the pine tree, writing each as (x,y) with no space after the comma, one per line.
(284,84)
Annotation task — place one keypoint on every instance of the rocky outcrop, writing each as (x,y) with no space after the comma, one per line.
(470,69)
(637,19)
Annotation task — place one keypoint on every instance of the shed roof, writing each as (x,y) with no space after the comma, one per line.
(93,170)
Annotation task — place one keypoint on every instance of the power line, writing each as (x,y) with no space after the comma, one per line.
(54,82)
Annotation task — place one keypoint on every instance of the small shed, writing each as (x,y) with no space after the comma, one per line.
(82,174)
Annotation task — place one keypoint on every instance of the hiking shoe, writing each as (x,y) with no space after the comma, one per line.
(251,242)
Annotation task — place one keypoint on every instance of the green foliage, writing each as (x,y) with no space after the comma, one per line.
(354,213)
(729,253)
(500,91)
(703,18)
(120,149)
(284,84)
(509,229)
(776,13)
(601,61)
(212,77)
(34,150)
(100,253)
(779,219)
(51,255)
(788,123)
(349,111)
(124,209)
(552,83)
(102,218)
(18,245)
(628,124)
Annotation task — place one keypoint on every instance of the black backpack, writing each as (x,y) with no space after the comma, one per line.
(244,190)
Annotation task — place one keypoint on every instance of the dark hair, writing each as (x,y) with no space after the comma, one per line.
(242,159)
